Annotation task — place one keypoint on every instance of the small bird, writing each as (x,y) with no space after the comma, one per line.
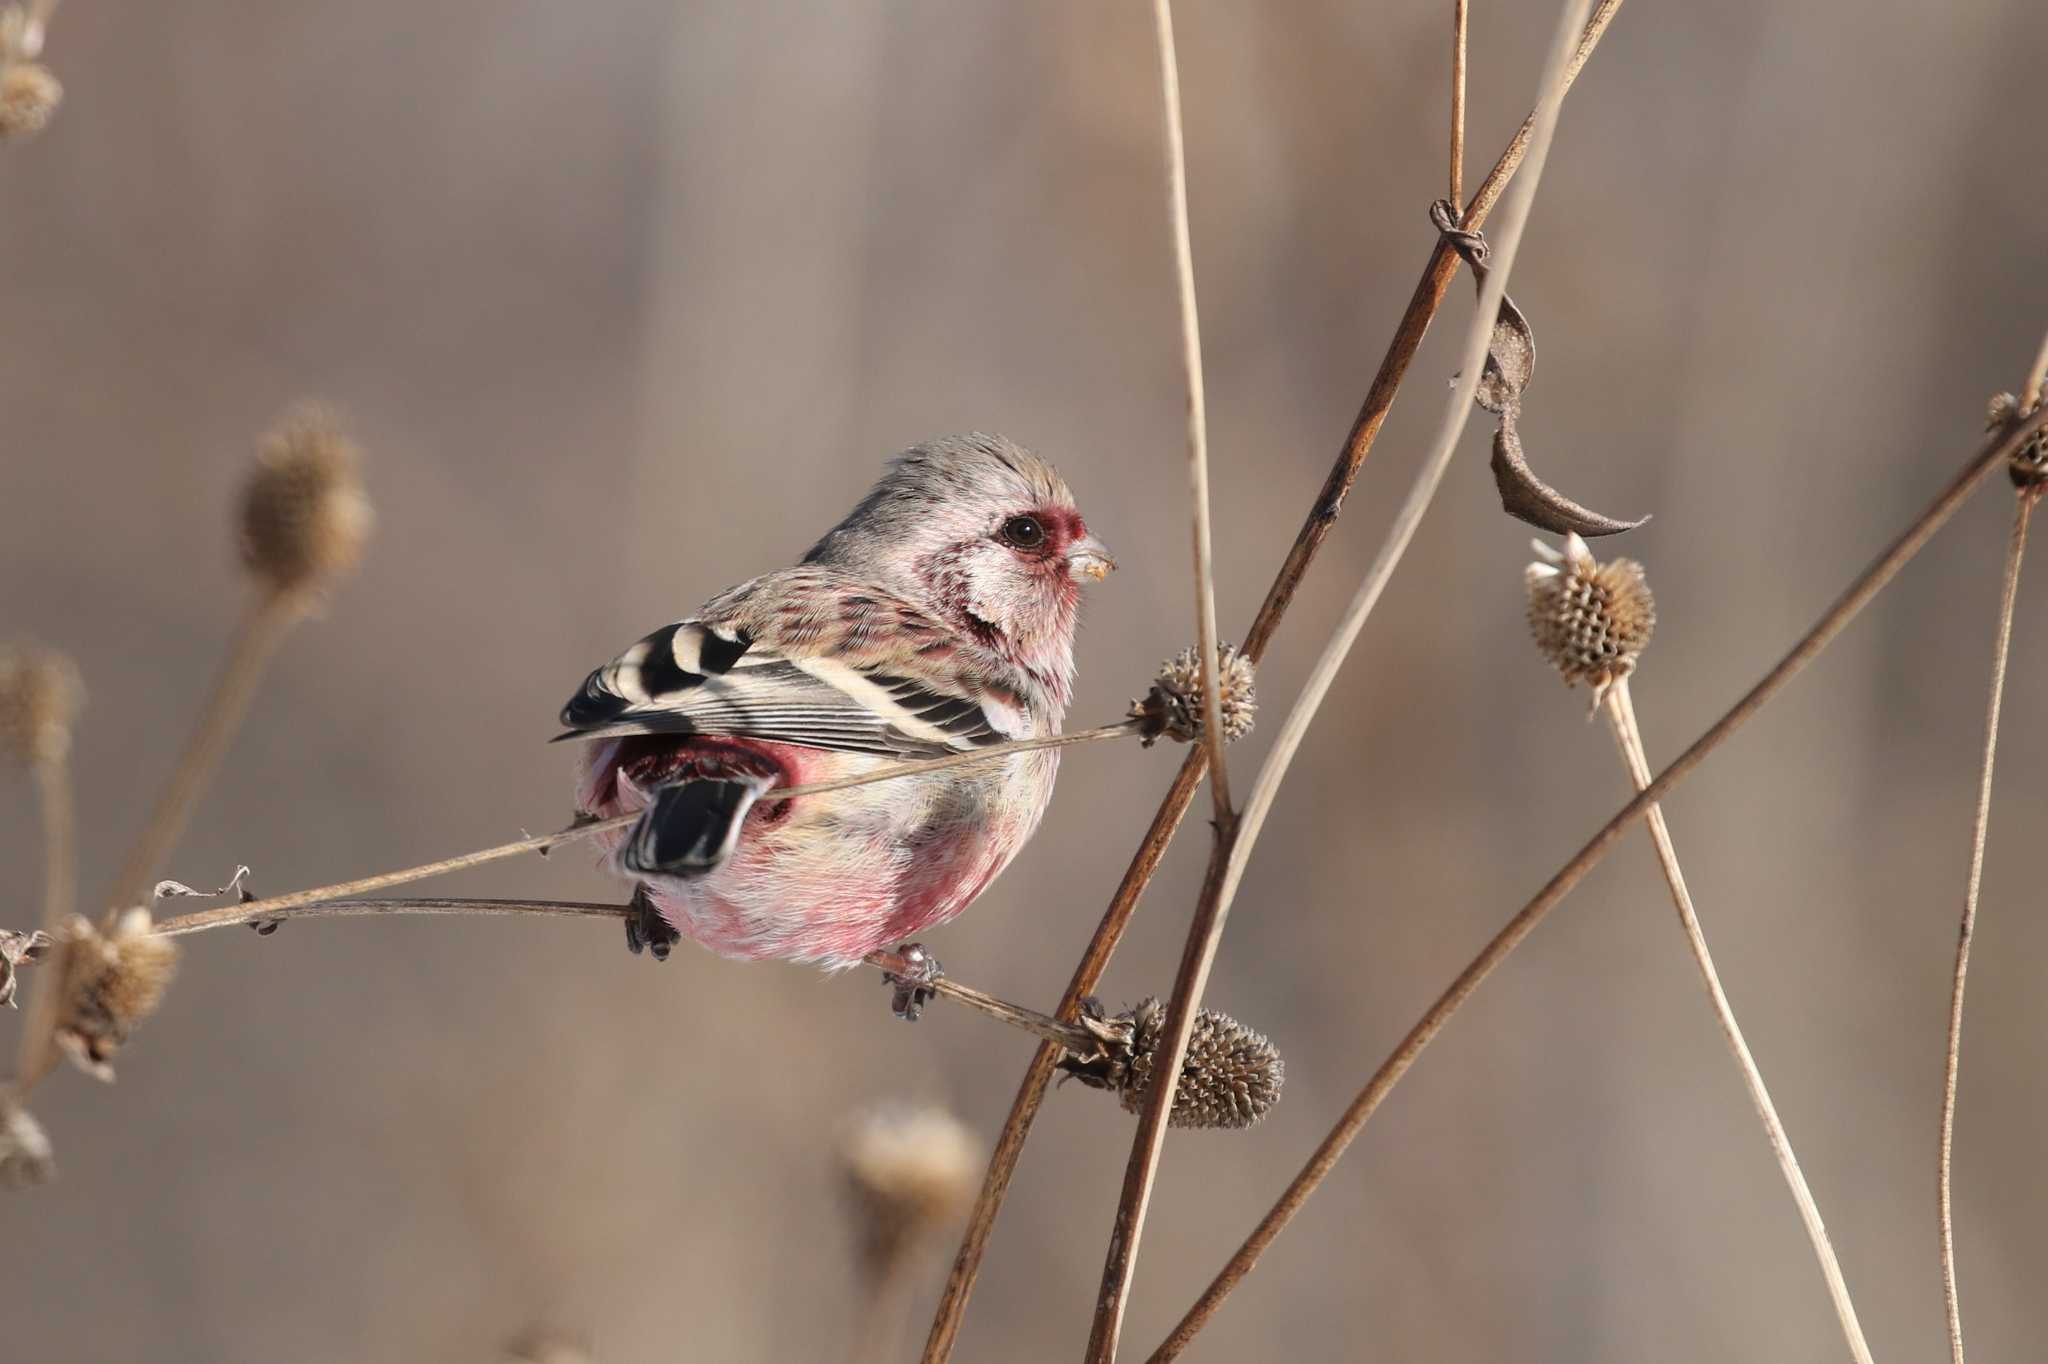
(937,618)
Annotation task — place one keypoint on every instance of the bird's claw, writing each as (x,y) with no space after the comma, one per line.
(913,984)
(646,928)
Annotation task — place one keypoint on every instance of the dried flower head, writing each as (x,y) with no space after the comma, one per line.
(25,1155)
(1231,1077)
(40,695)
(110,983)
(16,948)
(1173,707)
(305,514)
(544,1345)
(1591,620)
(909,1171)
(29,95)
(2028,467)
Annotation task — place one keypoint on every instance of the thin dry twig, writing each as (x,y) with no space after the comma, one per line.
(1198,411)
(2001,646)
(1423,303)
(260,910)
(1998,449)
(263,626)
(1459,24)
(1620,708)
(36,1053)
(1234,844)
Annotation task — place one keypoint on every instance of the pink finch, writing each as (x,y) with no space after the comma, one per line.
(937,618)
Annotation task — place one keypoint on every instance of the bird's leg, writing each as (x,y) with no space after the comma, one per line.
(913,985)
(646,928)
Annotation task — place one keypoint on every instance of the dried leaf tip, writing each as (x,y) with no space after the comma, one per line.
(29,96)
(25,1155)
(2028,467)
(1591,620)
(909,1171)
(1173,708)
(40,696)
(110,982)
(16,948)
(1231,1078)
(305,514)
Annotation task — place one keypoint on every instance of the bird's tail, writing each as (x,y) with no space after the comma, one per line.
(690,828)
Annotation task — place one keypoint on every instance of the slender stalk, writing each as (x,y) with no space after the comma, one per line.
(263,626)
(1234,845)
(1198,411)
(1423,303)
(2001,647)
(1620,708)
(1459,25)
(268,909)
(36,1053)
(2030,391)
(1998,448)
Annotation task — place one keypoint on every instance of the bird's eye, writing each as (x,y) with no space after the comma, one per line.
(1023,532)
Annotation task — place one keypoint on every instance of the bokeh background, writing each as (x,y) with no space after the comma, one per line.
(628,301)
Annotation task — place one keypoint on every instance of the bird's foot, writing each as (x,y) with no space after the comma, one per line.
(646,928)
(913,984)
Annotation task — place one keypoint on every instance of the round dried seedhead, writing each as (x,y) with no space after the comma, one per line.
(29,95)
(305,514)
(110,983)
(1231,1077)
(1591,620)
(1173,707)
(908,1171)
(40,695)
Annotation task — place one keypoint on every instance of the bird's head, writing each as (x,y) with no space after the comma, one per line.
(986,535)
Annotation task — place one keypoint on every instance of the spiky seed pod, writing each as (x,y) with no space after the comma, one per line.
(110,983)
(25,1155)
(29,95)
(1591,620)
(16,948)
(1231,1077)
(1173,708)
(304,514)
(909,1172)
(40,695)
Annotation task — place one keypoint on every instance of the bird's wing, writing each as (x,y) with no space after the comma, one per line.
(806,657)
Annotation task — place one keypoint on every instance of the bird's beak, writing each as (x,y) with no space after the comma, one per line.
(1090,558)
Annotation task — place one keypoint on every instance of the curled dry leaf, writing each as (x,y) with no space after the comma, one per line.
(1510,360)
(1533,502)
(16,948)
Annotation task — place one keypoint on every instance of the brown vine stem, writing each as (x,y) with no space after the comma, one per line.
(1628,736)
(1198,411)
(1428,296)
(2001,647)
(268,909)
(1998,448)
(1459,25)
(1235,842)
(264,624)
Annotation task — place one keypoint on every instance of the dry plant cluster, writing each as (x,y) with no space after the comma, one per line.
(911,1173)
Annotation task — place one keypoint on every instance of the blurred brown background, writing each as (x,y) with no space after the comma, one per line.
(628,301)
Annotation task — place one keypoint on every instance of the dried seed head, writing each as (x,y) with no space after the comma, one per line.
(29,95)
(110,983)
(40,694)
(2028,467)
(16,948)
(25,1155)
(304,512)
(1173,707)
(909,1171)
(1231,1077)
(1591,620)
(547,1346)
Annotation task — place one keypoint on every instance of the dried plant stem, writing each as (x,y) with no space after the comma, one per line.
(2030,391)
(268,908)
(1423,303)
(2001,646)
(1621,714)
(1198,410)
(37,1053)
(1234,844)
(1998,448)
(1459,24)
(886,1318)
(264,624)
